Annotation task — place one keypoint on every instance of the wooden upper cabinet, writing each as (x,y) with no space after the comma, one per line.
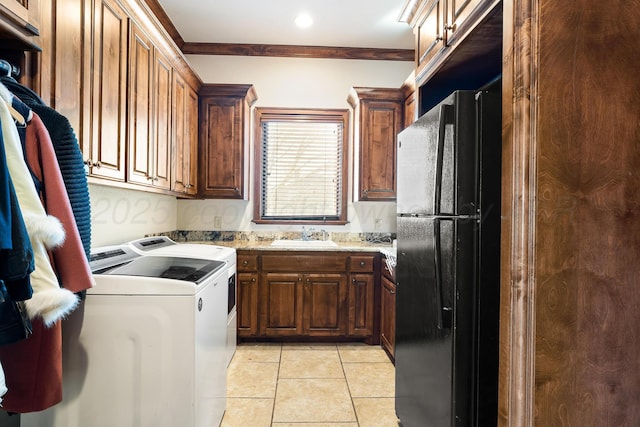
(439,25)
(19,22)
(185,136)
(191,135)
(104,151)
(408,89)
(429,32)
(378,117)
(225,112)
(140,108)
(162,135)
(149,141)
(457,13)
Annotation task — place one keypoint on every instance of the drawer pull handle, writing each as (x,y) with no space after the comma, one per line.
(362,263)
(245,262)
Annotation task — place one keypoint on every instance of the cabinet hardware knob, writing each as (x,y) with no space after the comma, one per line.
(392,292)
(98,164)
(253,279)
(87,162)
(245,262)
(361,263)
(438,38)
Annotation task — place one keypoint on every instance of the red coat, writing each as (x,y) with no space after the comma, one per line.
(33,367)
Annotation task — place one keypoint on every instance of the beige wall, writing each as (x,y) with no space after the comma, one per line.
(120,215)
(294,83)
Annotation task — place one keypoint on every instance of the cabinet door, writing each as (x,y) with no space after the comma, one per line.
(140,151)
(388,317)
(457,12)
(381,123)
(378,113)
(105,153)
(185,137)
(429,33)
(181,153)
(70,90)
(324,310)
(222,150)
(281,304)
(161,142)
(247,305)
(361,304)
(191,135)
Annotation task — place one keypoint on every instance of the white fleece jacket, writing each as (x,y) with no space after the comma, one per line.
(49,301)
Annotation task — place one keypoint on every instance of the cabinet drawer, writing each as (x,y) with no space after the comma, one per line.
(247,262)
(323,261)
(361,263)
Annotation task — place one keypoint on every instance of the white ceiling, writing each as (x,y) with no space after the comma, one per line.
(337,23)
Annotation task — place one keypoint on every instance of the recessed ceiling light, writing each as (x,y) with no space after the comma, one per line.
(303,20)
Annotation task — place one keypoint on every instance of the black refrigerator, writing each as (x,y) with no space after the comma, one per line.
(447,273)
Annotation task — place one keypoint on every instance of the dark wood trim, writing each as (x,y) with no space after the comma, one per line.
(298,51)
(162,16)
(518,263)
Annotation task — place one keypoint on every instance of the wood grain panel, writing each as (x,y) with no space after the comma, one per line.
(140,108)
(324,309)
(191,135)
(378,150)
(517,296)
(588,221)
(181,153)
(162,104)
(281,302)
(108,114)
(247,306)
(361,304)
(294,51)
(319,261)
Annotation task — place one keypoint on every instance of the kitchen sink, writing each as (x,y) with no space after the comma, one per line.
(304,243)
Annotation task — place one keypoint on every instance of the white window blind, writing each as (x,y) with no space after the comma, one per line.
(302,167)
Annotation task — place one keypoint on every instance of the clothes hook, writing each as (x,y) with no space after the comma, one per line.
(8,69)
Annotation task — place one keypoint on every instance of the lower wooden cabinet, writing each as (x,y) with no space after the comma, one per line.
(388,317)
(247,313)
(388,313)
(291,294)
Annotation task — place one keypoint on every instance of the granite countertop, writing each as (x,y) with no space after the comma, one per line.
(266,245)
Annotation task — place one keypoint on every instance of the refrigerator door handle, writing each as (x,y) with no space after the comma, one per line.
(443,119)
(444,313)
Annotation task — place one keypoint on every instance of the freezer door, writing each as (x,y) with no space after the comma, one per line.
(434,329)
(437,160)
(420,151)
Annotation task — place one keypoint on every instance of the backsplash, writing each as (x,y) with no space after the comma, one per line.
(258,237)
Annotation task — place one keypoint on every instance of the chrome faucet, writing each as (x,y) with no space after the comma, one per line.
(306,234)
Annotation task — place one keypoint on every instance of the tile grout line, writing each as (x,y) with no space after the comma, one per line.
(275,392)
(348,387)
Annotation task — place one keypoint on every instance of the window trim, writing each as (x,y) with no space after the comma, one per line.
(301,114)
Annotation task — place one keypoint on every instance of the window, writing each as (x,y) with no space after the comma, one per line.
(302,166)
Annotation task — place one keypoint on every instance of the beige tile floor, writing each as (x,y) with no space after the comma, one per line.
(310,385)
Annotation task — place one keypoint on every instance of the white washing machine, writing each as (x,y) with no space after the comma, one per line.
(162,245)
(147,348)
